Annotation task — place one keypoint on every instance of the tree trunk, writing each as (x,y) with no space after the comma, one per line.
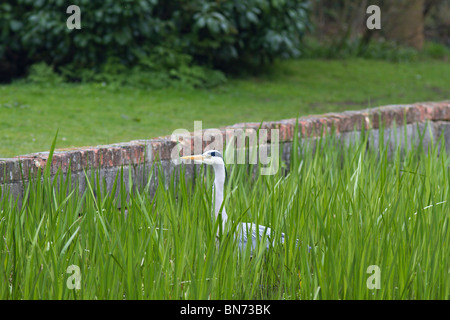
(404,22)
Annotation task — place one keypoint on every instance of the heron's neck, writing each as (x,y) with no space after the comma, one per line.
(219,182)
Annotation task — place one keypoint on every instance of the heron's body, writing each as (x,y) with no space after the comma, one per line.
(250,233)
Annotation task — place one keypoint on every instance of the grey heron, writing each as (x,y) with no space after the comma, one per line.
(244,231)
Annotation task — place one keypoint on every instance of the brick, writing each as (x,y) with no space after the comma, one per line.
(441,112)
(414,114)
(87,158)
(126,155)
(161,149)
(388,115)
(353,120)
(75,160)
(6,170)
(60,161)
(105,157)
(305,127)
(27,166)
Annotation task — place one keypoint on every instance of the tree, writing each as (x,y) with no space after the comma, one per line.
(404,22)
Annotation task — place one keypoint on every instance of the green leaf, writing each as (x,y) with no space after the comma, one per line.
(252,17)
(16,25)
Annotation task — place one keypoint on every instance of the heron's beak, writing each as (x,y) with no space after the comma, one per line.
(199,158)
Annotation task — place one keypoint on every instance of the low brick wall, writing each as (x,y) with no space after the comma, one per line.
(137,157)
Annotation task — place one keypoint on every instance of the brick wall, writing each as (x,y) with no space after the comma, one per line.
(137,157)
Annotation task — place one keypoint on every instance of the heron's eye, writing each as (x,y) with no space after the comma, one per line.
(213,154)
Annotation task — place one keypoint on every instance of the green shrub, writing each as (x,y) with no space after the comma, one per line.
(43,74)
(378,49)
(210,33)
(436,51)
(165,69)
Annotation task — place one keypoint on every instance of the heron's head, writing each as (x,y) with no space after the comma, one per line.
(211,157)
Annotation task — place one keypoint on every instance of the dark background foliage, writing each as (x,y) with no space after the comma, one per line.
(149,34)
(156,43)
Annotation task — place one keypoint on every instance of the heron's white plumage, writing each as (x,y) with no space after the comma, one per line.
(254,231)
(246,233)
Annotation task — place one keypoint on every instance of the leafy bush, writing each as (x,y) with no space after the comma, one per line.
(41,73)
(206,33)
(158,70)
(436,51)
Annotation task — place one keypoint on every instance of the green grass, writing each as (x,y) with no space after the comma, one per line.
(91,114)
(355,208)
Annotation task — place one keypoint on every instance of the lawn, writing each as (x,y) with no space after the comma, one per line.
(93,114)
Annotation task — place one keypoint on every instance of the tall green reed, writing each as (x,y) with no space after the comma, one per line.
(349,206)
